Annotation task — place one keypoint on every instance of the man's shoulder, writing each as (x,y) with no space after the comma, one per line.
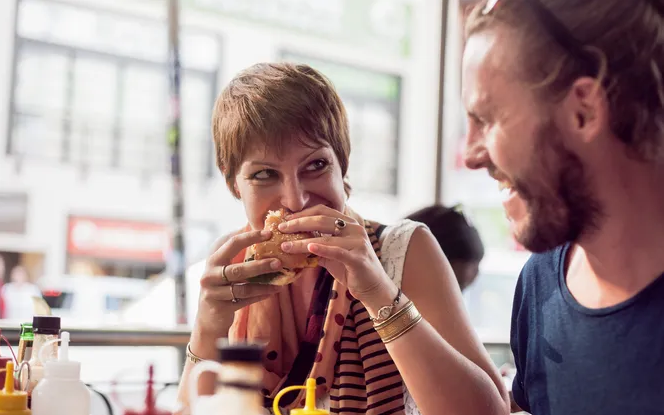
(539,277)
(544,265)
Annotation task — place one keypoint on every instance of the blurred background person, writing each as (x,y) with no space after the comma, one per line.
(17,295)
(458,238)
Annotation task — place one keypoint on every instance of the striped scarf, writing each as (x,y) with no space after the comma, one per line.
(341,349)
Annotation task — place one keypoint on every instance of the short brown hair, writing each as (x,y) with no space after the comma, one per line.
(269,104)
(627,42)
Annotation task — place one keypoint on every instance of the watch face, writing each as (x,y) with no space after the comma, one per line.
(384,312)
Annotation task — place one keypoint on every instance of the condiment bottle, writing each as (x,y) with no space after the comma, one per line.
(150,404)
(26,339)
(60,391)
(12,402)
(3,363)
(240,376)
(45,329)
(309,403)
(25,343)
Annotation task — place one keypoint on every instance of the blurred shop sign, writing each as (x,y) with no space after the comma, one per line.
(383,26)
(13,212)
(117,239)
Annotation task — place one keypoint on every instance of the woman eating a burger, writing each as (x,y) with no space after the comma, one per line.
(372,312)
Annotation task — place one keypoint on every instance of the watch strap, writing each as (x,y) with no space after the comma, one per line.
(386,312)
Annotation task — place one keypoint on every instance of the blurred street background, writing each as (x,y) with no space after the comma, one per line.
(86,192)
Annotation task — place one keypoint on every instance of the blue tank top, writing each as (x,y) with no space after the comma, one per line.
(572,360)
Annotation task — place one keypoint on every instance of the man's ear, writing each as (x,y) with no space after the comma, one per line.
(587,109)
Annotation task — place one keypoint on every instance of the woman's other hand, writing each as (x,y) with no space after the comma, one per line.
(223,287)
(344,250)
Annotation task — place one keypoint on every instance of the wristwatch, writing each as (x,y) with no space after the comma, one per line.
(385,312)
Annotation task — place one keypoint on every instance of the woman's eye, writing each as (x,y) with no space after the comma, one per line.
(263,175)
(317,165)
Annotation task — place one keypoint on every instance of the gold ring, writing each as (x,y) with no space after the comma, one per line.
(234,299)
(224,278)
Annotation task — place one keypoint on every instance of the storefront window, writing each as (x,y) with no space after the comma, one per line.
(40,96)
(92,90)
(93,108)
(142,130)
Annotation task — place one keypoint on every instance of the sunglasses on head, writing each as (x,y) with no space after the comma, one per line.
(558,32)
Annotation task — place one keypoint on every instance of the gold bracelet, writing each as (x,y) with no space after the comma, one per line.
(399,324)
(191,356)
(404,331)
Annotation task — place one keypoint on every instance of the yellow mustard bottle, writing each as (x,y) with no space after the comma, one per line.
(309,402)
(13,402)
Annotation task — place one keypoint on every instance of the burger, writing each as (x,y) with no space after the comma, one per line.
(292,264)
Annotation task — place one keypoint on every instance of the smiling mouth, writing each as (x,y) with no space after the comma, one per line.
(505,185)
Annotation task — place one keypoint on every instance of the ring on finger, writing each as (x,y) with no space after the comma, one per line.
(339,225)
(234,299)
(224,278)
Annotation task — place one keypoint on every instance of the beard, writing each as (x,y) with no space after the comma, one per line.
(560,204)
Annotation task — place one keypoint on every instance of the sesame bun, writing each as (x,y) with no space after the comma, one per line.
(292,263)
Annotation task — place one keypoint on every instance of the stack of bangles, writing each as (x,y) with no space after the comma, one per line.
(399,324)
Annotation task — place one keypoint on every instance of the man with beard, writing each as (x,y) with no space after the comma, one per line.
(565,100)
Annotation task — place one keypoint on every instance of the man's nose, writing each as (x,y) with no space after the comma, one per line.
(294,195)
(476,155)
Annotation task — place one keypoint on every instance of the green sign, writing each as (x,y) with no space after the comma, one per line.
(382,26)
(372,100)
(350,79)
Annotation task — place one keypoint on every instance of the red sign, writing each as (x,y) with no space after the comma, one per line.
(117,239)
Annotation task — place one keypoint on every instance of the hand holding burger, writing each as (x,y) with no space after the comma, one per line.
(292,263)
(343,248)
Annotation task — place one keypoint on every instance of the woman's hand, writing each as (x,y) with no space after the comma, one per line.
(222,289)
(344,250)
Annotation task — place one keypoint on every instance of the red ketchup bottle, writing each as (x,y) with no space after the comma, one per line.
(150,404)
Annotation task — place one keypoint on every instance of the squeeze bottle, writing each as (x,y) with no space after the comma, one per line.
(3,373)
(60,392)
(45,329)
(309,403)
(150,404)
(12,402)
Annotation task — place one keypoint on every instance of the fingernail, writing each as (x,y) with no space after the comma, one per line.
(286,246)
(266,233)
(275,264)
(283,226)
